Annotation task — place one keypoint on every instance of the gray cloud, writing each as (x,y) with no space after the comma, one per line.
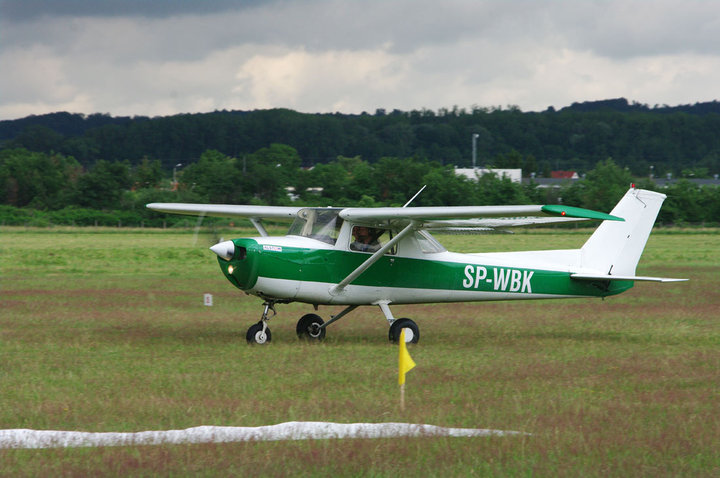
(641,28)
(27,10)
(164,57)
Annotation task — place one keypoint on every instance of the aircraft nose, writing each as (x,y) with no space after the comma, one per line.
(225,249)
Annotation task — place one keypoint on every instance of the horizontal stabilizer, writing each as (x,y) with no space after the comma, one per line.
(637,278)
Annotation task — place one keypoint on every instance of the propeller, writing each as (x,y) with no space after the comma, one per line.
(211,235)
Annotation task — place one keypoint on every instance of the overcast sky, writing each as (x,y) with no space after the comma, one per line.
(162,57)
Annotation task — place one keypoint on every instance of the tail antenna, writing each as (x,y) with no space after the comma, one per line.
(416,195)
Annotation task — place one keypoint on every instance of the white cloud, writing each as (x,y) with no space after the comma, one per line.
(324,81)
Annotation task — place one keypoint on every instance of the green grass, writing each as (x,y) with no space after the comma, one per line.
(105,330)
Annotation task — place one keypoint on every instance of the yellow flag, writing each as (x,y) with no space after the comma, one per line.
(405,362)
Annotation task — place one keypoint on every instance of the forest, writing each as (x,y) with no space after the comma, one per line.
(43,189)
(681,140)
(65,168)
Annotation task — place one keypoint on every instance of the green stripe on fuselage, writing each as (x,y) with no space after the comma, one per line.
(330,266)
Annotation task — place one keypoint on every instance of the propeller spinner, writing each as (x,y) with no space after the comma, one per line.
(225,249)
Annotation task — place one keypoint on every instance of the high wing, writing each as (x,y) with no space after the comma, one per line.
(468,218)
(225,210)
(253,213)
(473,216)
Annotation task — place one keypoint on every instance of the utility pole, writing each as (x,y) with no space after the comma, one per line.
(175,183)
(474,149)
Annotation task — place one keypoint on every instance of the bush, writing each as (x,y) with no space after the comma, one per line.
(13,216)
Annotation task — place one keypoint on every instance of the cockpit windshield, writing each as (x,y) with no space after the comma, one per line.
(322,224)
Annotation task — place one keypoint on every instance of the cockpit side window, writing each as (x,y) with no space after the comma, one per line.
(370,239)
(427,243)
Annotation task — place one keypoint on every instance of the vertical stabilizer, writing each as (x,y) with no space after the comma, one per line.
(615,247)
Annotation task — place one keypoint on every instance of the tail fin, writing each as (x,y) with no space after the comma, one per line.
(615,247)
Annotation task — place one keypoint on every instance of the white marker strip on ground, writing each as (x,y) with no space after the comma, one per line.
(23,438)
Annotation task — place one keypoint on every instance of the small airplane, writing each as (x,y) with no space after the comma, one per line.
(387,256)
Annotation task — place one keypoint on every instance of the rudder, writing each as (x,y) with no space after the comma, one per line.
(615,247)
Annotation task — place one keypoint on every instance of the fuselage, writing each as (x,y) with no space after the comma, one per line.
(303,269)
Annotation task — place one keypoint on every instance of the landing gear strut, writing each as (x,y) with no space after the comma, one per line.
(412,332)
(260,333)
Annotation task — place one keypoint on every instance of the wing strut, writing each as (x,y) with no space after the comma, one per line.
(259,226)
(337,288)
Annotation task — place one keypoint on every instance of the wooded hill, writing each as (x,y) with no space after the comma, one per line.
(683,140)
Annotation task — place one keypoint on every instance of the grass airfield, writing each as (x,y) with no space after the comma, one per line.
(105,330)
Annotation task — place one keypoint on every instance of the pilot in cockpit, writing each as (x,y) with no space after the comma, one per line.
(366,239)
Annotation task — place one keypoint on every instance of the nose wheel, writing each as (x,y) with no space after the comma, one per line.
(260,333)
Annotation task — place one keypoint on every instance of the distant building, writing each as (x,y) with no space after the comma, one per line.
(291,193)
(556,180)
(515,175)
(564,175)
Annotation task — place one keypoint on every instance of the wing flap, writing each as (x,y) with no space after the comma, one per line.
(499,222)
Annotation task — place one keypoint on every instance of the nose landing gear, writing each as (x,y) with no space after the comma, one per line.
(260,333)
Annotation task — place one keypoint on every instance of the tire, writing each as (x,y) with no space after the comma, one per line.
(398,325)
(254,334)
(308,328)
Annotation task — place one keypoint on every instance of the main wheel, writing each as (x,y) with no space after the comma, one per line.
(255,334)
(412,332)
(308,327)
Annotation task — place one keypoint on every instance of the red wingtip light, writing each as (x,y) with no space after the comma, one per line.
(632,185)
(562,213)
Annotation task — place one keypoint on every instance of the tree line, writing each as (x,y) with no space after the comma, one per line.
(681,140)
(39,188)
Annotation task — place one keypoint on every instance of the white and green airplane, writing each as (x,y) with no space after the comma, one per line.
(387,256)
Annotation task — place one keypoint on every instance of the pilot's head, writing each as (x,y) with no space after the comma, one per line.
(361,233)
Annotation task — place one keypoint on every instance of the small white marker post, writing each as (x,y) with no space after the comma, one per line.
(208,300)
